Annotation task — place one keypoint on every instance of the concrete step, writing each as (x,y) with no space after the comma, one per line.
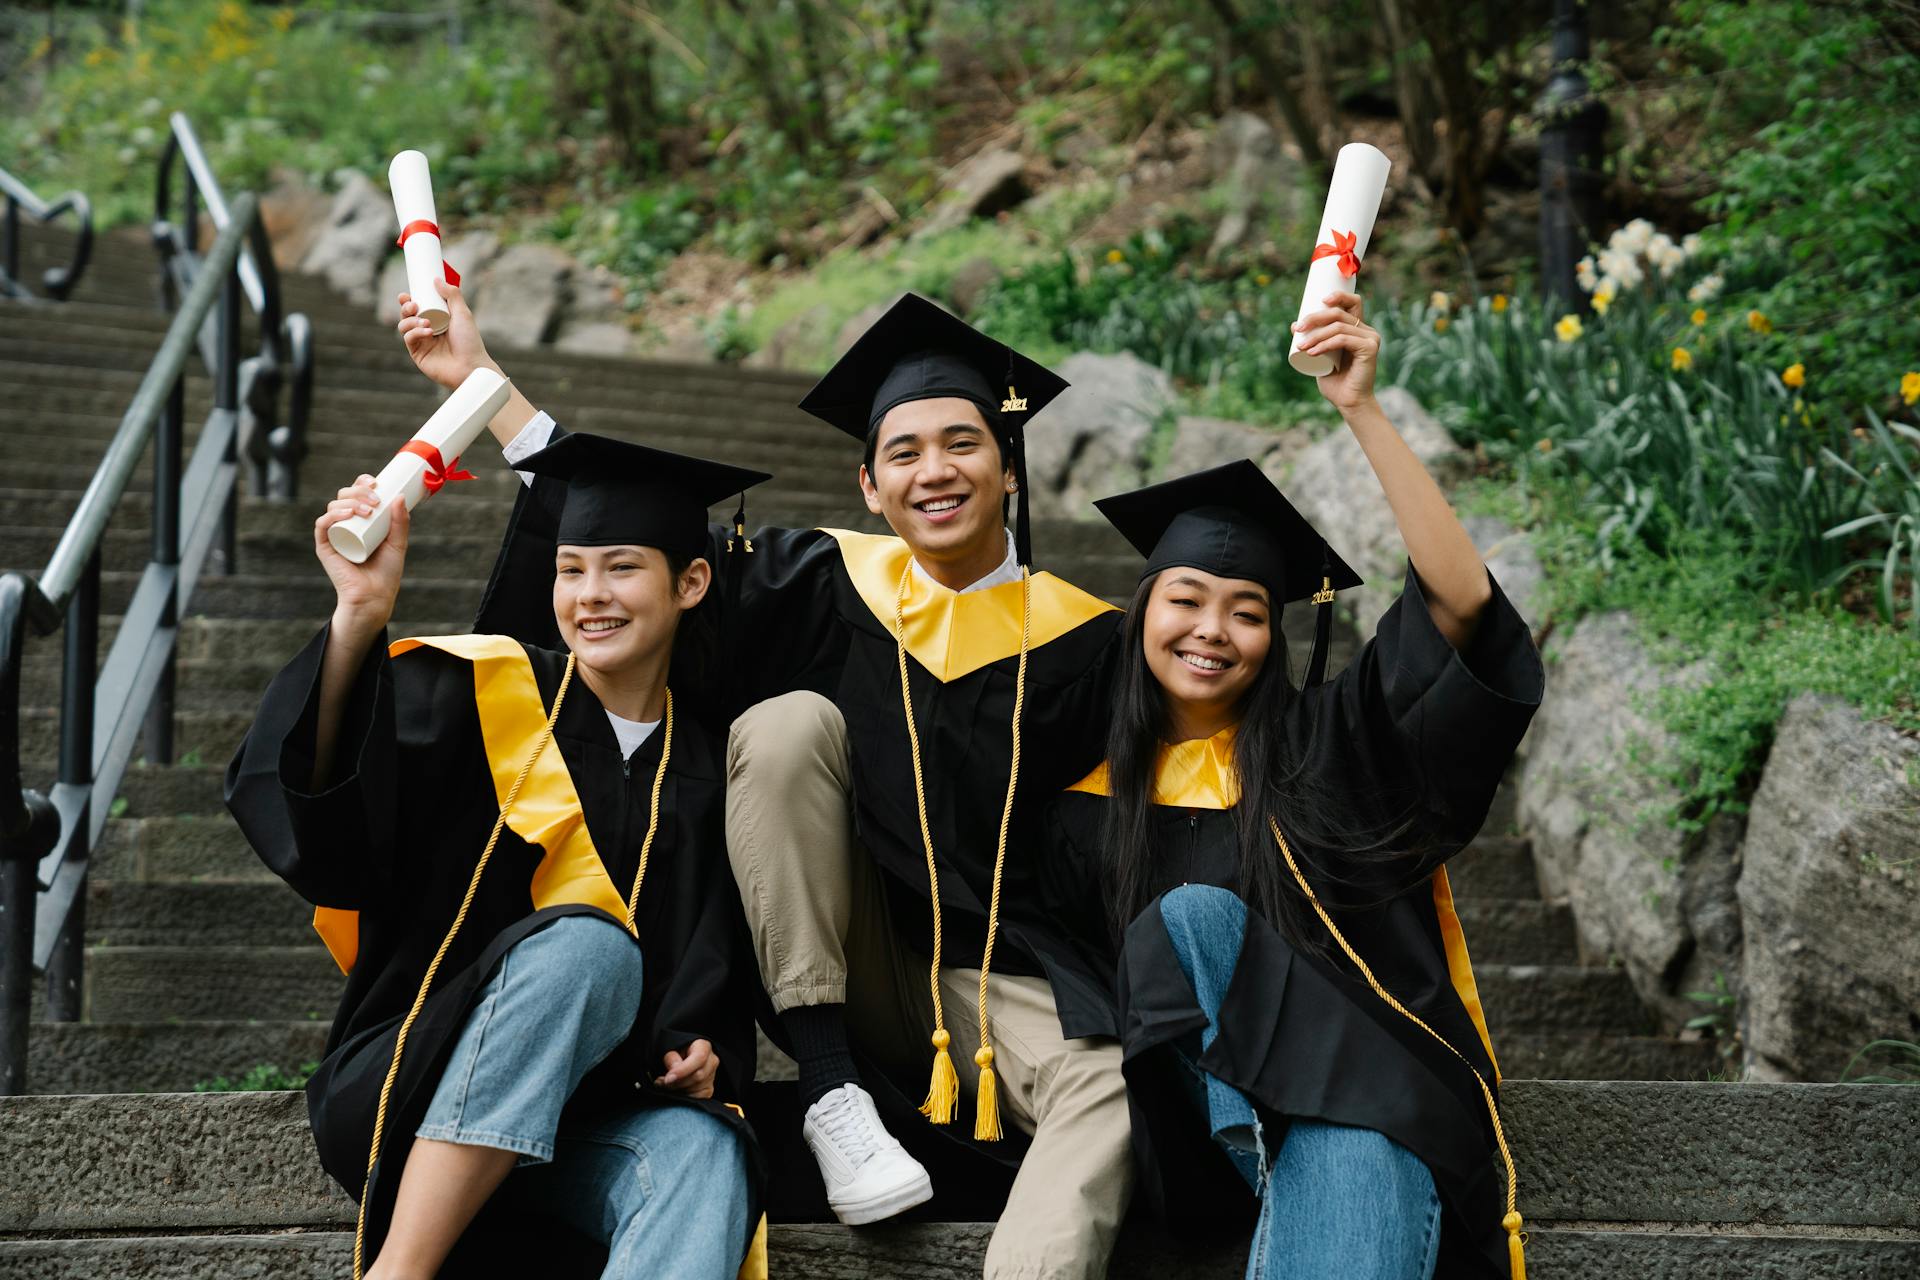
(1582,1055)
(156,983)
(1745,1180)
(885,1252)
(170,1057)
(1493,867)
(1517,931)
(162,913)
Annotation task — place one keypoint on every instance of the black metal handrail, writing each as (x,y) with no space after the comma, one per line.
(46,841)
(57,281)
(273,450)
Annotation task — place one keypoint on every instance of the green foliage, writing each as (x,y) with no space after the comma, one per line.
(265,90)
(1884,1062)
(1225,335)
(1820,226)
(1720,1018)
(1721,444)
(1708,599)
(263,1077)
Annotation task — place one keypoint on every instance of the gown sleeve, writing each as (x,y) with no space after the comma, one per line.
(1415,729)
(707,996)
(330,845)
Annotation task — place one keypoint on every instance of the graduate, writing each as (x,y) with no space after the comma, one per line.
(1260,866)
(515,855)
(905,707)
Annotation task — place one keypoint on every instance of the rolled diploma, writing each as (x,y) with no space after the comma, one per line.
(413,201)
(1353,202)
(455,425)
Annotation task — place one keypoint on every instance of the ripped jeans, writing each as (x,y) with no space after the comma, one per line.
(1334,1200)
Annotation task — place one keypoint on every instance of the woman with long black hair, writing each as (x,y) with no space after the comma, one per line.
(1259,865)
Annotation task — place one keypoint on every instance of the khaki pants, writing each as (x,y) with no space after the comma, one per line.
(818,911)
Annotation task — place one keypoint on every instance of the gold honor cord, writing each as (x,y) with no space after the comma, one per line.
(1516,1256)
(944,1089)
(473,885)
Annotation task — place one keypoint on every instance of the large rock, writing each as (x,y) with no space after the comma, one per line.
(524,295)
(1092,440)
(1830,893)
(1256,175)
(356,239)
(1199,443)
(979,188)
(1334,486)
(1514,561)
(1660,902)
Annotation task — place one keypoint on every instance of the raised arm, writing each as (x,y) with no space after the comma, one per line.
(448,358)
(364,595)
(1448,563)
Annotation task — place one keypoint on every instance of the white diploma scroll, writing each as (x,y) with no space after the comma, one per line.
(1346,228)
(413,203)
(452,428)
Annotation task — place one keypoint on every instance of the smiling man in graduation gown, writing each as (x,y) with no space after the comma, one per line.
(516,856)
(843,793)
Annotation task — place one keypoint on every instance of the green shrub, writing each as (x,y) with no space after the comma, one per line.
(264,1077)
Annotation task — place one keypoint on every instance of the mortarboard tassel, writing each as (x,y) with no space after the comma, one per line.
(1322,625)
(1017,446)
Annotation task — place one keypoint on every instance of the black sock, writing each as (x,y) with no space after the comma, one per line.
(819,1035)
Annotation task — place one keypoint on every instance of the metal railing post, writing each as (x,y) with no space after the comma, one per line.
(12,265)
(166,551)
(226,395)
(66,967)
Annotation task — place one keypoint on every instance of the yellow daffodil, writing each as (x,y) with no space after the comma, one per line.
(1699,317)
(1569,328)
(1439,324)
(1263,279)
(1910,387)
(1499,303)
(1795,375)
(1545,446)
(1798,404)
(1682,359)
(1440,301)
(1602,299)
(1115,256)
(1758,322)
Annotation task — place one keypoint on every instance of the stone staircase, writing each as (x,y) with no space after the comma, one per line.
(201,965)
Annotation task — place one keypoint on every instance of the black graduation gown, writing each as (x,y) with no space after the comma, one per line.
(1409,727)
(385,854)
(814,609)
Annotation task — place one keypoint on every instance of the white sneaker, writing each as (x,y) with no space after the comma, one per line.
(869,1175)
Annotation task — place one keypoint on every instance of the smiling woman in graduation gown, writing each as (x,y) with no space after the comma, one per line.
(1410,741)
(432,737)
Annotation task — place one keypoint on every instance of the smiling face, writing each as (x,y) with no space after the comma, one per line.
(618,606)
(938,478)
(1206,639)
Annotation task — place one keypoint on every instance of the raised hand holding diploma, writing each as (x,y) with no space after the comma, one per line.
(425,463)
(419,241)
(1346,229)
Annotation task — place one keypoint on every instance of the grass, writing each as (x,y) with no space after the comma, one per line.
(263,1077)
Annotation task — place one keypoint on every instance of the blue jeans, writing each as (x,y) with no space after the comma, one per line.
(1335,1200)
(653,1184)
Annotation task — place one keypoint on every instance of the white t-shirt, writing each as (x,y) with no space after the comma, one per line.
(631,733)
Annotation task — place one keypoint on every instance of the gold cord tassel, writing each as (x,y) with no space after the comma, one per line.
(653,818)
(943,1090)
(986,1109)
(1516,1239)
(426,983)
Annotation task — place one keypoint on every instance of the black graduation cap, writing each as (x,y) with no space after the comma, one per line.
(1231,521)
(919,351)
(628,494)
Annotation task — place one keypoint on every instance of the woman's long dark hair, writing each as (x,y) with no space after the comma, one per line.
(1272,784)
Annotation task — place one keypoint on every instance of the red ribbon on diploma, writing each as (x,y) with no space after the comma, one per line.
(1341,248)
(438,473)
(421,224)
